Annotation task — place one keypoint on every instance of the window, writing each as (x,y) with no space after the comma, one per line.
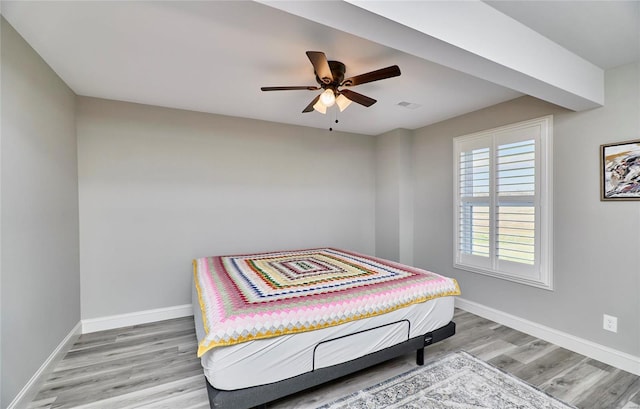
(503,202)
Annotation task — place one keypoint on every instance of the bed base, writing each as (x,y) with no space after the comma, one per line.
(259,396)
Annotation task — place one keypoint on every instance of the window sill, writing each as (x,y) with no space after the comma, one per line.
(532,282)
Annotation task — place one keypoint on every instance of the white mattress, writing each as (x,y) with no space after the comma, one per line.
(270,360)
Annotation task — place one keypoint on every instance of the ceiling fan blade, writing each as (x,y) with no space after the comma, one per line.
(309,88)
(321,66)
(376,75)
(309,107)
(358,98)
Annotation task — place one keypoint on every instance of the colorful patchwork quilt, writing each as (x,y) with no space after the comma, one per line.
(248,297)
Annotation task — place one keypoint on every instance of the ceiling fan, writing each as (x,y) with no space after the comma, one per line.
(330,77)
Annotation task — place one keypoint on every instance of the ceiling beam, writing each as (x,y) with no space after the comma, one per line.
(468,36)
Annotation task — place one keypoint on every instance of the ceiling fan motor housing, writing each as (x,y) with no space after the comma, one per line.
(337,71)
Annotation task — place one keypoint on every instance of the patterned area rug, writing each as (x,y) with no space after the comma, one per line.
(458,381)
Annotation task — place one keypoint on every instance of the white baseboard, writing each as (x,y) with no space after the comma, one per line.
(135,318)
(29,391)
(610,356)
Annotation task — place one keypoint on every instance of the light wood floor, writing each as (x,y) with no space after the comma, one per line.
(155,366)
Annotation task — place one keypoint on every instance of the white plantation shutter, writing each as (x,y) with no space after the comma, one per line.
(502,197)
(474,204)
(516,190)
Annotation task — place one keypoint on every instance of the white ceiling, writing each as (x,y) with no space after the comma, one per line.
(214,56)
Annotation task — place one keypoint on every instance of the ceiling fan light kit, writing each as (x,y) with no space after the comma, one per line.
(328,98)
(342,102)
(330,77)
(320,107)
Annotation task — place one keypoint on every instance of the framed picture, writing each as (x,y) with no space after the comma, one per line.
(620,171)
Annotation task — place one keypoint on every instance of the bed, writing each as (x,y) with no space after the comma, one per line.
(272,324)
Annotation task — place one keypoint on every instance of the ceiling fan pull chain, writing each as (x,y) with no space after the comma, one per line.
(330,127)
(336,119)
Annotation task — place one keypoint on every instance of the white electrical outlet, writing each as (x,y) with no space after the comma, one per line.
(610,323)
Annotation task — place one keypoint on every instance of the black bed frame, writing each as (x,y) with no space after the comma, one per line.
(259,396)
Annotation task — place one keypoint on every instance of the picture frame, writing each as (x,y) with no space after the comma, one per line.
(620,171)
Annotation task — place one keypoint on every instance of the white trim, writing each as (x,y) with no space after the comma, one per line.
(29,391)
(613,357)
(135,318)
(510,277)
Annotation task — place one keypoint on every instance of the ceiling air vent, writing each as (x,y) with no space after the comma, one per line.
(409,105)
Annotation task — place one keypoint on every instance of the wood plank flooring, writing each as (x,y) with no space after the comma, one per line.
(155,366)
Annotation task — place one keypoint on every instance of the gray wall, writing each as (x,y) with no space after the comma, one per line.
(40,301)
(159,187)
(596,244)
(394,196)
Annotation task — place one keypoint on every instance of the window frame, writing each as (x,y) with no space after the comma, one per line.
(541,273)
